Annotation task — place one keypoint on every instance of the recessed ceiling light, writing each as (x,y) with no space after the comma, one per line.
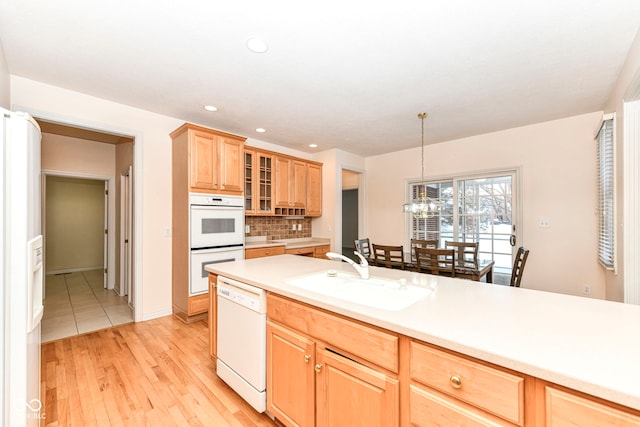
(313,145)
(261,130)
(210,108)
(257,45)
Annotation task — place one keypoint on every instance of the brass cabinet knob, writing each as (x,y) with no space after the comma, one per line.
(456,382)
(307,357)
(318,367)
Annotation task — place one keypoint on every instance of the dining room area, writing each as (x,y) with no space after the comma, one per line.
(449,258)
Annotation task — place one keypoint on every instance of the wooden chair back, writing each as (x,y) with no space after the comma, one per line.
(417,243)
(363,246)
(466,254)
(518,266)
(435,261)
(388,256)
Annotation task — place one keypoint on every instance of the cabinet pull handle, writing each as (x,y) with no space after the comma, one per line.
(307,357)
(318,367)
(456,382)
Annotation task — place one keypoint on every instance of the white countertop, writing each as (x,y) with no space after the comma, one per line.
(586,344)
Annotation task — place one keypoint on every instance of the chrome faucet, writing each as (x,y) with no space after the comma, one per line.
(362,268)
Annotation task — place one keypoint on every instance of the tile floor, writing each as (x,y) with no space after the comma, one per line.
(76,303)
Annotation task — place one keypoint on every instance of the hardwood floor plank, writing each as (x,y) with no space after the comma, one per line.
(149,373)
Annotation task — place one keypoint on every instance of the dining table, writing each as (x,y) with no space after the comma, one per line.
(462,270)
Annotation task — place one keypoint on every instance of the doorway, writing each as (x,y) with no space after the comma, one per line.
(86,299)
(350,211)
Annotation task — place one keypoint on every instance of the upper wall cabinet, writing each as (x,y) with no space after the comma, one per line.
(277,184)
(213,159)
(258,182)
(314,189)
(291,183)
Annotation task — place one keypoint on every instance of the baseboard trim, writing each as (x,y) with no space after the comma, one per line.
(73,270)
(156,314)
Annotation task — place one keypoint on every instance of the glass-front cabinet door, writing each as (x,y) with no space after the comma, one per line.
(265,184)
(249,182)
(258,183)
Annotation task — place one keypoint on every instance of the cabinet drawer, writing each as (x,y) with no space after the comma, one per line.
(498,392)
(321,251)
(198,304)
(567,409)
(368,343)
(262,252)
(429,408)
(307,251)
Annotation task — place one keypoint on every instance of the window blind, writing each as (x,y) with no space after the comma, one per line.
(606,196)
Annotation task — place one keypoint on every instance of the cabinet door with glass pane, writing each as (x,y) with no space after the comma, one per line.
(265,184)
(258,183)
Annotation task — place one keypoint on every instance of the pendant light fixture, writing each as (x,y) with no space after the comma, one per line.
(422,206)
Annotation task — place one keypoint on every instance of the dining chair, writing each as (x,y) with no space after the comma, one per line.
(466,254)
(518,266)
(388,256)
(364,247)
(435,261)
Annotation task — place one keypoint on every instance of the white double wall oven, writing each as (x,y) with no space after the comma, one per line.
(216,235)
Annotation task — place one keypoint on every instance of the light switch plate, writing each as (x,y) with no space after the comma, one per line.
(544,223)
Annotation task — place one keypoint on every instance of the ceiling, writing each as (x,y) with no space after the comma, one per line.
(342,74)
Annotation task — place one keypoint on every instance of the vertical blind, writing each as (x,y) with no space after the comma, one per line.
(606,199)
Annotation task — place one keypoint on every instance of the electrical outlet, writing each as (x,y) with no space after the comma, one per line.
(299,227)
(586,289)
(293,227)
(544,223)
(247,229)
(167,232)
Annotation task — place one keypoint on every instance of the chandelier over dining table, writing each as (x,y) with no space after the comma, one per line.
(423,206)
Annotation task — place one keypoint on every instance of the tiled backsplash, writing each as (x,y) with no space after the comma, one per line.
(275,227)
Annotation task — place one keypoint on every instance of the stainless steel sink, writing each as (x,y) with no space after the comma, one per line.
(375,292)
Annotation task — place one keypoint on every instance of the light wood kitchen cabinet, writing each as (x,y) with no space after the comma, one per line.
(446,386)
(314,189)
(321,251)
(203,161)
(262,252)
(258,182)
(211,159)
(213,316)
(290,376)
(351,394)
(347,377)
(566,408)
(291,186)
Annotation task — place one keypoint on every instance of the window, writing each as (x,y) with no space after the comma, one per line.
(606,196)
(476,209)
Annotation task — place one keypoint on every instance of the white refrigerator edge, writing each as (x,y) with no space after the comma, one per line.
(22,255)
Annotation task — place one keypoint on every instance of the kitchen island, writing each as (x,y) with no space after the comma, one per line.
(580,344)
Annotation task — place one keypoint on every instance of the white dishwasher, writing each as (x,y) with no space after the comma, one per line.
(242,340)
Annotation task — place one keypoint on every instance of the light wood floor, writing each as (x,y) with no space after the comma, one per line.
(149,373)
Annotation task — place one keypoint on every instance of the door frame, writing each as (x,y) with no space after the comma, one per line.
(126,228)
(516,192)
(362,226)
(110,254)
(137,273)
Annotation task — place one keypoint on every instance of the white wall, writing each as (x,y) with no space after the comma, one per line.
(557,161)
(5,98)
(79,156)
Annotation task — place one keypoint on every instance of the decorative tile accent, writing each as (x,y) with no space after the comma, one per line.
(275,227)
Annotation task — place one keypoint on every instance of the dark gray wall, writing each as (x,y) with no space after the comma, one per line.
(349,217)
